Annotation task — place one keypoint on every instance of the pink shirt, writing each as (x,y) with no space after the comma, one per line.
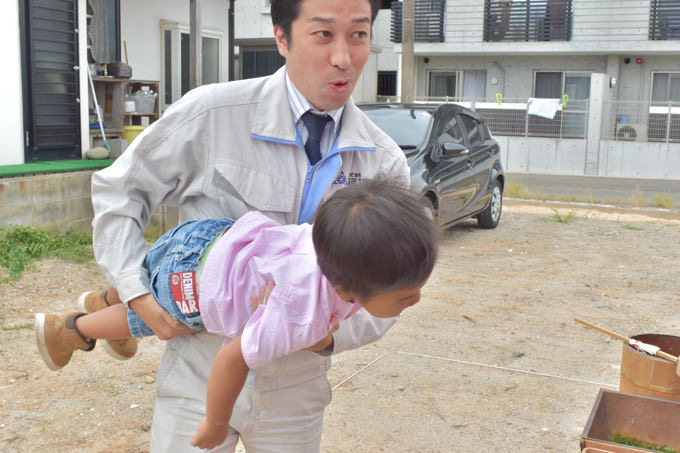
(256,250)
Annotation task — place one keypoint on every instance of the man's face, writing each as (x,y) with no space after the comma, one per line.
(329,45)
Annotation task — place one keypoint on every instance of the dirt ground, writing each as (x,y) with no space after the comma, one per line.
(489,360)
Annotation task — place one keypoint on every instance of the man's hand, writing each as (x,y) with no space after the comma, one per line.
(209,435)
(327,341)
(162,324)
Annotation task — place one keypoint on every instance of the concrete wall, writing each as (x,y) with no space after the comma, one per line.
(252,20)
(11,114)
(543,155)
(58,200)
(62,201)
(388,59)
(513,76)
(640,159)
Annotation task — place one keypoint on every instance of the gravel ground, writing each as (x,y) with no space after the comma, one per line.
(489,360)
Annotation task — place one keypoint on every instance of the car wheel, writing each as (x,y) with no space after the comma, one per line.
(429,206)
(491,215)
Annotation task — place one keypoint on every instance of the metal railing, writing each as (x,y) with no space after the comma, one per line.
(642,122)
(529,20)
(513,117)
(429,21)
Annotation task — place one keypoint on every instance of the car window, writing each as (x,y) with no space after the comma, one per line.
(451,133)
(474,130)
(407,127)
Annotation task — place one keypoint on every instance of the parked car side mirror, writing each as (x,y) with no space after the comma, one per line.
(454,150)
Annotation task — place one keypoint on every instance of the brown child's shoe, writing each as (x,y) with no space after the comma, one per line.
(58,338)
(123,349)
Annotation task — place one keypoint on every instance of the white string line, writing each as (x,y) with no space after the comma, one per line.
(496,367)
(360,371)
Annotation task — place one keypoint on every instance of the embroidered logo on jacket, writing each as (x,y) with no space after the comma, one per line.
(342,179)
(183,287)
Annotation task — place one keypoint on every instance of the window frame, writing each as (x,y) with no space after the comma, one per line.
(671,75)
(565,74)
(434,72)
(176,29)
(460,81)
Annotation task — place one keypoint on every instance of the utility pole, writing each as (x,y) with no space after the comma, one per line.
(195,44)
(230,39)
(407,56)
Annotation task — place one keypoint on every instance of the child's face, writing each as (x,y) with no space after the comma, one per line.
(391,303)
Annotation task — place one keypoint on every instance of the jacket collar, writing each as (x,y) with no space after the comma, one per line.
(274,119)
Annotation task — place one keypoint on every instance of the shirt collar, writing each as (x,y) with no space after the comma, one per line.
(299,105)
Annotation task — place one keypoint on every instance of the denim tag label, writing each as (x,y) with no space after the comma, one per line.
(183,287)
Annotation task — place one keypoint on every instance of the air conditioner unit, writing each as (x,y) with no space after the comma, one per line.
(631,132)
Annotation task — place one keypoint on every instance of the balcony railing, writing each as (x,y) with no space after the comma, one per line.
(429,21)
(664,20)
(529,20)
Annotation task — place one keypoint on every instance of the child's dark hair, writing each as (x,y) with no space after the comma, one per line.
(373,237)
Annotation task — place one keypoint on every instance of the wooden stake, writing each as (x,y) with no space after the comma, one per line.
(625,339)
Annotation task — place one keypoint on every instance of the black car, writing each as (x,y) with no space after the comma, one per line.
(455,162)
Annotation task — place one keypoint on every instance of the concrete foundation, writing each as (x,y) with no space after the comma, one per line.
(61,201)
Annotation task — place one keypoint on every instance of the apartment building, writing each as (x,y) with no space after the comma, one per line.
(502,56)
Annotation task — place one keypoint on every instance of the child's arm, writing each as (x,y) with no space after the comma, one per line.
(227,376)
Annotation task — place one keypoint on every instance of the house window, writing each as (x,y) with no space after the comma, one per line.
(258,63)
(470,84)
(665,87)
(573,89)
(553,85)
(387,83)
(175,59)
(103,31)
(443,84)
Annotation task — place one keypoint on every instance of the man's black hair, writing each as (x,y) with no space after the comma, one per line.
(285,12)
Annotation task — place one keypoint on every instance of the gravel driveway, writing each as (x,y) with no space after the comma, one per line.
(489,360)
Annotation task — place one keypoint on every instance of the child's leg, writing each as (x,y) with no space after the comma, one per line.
(91,302)
(108,324)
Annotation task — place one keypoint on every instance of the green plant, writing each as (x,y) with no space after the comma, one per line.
(563,218)
(4,328)
(20,246)
(516,190)
(633,227)
(621,439)
(664,201)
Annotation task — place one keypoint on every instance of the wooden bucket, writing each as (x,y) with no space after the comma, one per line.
(648,375)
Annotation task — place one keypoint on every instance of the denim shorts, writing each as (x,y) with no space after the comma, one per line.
(177,252)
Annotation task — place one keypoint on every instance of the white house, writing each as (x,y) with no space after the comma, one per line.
(45,49)
(49,46)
